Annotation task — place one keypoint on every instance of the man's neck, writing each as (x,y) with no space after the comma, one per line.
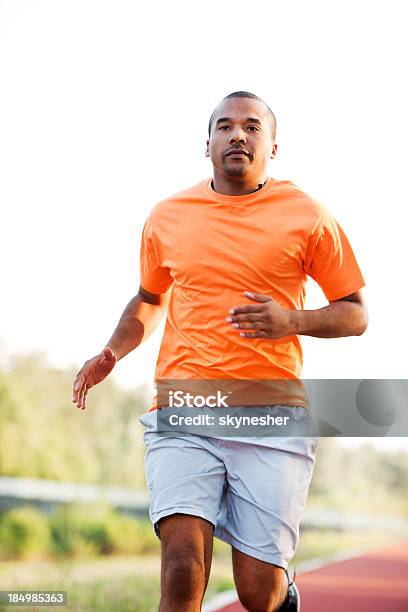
(225,187)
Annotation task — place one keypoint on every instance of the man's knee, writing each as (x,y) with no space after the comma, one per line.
(183,566)
(183,577)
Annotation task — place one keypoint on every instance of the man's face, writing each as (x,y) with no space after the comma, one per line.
(241,124)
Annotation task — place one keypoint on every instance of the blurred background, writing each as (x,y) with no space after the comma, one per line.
(104,111)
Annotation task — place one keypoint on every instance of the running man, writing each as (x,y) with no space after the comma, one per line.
(228,259)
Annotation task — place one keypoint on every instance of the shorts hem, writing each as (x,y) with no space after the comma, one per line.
(179,510)
(275,559)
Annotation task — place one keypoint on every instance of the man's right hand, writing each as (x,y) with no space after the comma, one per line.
(92,372)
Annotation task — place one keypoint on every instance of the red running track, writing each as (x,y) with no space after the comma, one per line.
(373,582)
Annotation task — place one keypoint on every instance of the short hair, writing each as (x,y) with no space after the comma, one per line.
(244,94)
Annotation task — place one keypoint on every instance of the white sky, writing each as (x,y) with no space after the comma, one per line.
(103,111)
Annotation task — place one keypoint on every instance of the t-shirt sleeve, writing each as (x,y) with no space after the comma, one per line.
(330,260)
(154,277)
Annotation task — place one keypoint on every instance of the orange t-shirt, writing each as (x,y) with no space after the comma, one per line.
(209,248)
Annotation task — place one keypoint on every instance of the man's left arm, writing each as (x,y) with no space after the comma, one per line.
(347,316)
(266,318)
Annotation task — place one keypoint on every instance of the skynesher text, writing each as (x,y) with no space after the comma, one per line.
(229,420)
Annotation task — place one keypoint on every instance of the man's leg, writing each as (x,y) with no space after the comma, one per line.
(187,543)
(261,586)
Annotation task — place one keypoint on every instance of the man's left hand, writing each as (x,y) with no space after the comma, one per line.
(265,319)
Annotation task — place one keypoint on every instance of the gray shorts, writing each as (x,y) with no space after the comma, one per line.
(253,489)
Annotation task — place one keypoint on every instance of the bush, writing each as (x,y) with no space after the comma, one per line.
(77,531)
(124,535)
(74,531)
(148,538)
(110,532)
(24,534)
(66,538)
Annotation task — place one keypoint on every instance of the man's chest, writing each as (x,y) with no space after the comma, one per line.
(256,243)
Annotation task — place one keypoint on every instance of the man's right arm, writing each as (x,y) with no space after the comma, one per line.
(139,319)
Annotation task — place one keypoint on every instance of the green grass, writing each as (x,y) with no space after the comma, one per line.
(124,594)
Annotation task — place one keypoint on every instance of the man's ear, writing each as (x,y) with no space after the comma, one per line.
(274,151)
(207,149)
